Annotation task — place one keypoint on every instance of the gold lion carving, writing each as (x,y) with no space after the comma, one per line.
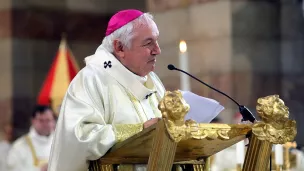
(275,125)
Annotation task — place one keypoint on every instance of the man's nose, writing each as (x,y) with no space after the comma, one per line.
(156,50)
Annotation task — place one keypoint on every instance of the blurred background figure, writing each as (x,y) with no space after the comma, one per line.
(227,160)
(31,151)
(296,158)
(5,144)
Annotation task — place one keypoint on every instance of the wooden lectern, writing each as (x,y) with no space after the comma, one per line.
(175,142)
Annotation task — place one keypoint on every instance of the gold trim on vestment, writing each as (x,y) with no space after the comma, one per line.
(136,103)
(37,162)
(124,131)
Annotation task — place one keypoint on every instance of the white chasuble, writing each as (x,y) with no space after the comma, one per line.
(103,100)
(4,149)
(30,152)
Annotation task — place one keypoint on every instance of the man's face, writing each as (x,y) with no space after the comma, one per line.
(44,123)
(8,131)
(140,58)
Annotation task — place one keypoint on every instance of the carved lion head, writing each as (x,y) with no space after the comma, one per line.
(272,108)
(173,106)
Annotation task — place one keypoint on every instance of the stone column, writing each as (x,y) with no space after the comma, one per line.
(292,62)
(5,63)
(256,50)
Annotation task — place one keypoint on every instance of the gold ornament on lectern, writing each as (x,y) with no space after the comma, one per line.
(174,109)
(275,126)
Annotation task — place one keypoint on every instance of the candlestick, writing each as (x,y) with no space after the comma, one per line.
(238,167)
(183,64)
(240,152)
(279,154)
(286,147)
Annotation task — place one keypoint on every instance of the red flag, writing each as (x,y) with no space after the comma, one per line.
(63,70)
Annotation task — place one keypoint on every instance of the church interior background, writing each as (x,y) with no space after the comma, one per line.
(248,49)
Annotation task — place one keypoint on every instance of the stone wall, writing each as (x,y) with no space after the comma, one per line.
(256,48)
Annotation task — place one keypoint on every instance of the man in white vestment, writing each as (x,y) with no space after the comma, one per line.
(5,145)
(31,151)
(116,92)
(299,156)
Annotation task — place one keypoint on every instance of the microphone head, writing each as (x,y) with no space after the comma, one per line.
(171,67)
(246,113)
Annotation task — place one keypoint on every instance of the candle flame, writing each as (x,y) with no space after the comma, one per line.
(182,46)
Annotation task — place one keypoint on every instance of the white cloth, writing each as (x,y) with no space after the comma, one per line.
(299,160)
(98,98)
(20,157)
(4,149)
(225,160)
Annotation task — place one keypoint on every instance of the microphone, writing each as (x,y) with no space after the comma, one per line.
(245,112)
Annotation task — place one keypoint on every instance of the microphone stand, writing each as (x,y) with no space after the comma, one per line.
(245,112)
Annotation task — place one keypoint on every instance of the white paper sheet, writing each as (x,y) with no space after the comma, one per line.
(202,109)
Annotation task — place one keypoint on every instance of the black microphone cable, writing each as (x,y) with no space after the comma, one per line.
(245,112)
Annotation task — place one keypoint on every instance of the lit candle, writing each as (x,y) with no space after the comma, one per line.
(240,152)
(279,154)
(183,64)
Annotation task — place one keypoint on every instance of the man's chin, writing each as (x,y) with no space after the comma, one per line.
(152,66)
(151,69)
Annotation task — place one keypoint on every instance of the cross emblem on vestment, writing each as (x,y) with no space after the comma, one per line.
(107,64)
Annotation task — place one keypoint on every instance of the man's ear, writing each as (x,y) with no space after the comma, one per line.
(118,49)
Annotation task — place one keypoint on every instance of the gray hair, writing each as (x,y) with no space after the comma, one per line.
(125,33)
